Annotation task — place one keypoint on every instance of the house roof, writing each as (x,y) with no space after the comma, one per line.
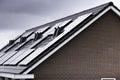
(35,45)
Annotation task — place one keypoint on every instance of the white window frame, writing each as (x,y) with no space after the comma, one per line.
(108,78)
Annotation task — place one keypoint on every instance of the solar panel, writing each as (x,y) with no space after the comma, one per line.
(60,24)
(68,28)
(40,49)
(7,56)
(25,45)
(18,57)
(14,57)
(2,49)
(36,52)
(12,48)
(52,30)
(18,40)
(1,54)
(8,53)
(30,37)
(37,42)
(44,42)
(8,47)
(76,22)
(31,56)
(9,44)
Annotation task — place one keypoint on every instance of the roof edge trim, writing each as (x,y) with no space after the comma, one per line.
(115,10)
(17,76)
(75,34)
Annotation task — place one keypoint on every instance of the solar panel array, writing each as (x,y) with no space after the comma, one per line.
(24,49)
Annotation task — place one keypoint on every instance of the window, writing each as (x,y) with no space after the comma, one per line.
(108,78)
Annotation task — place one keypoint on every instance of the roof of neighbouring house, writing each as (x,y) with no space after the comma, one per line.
(35,45)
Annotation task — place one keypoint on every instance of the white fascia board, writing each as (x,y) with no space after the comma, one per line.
(71,37)
(17,76)
(115,10)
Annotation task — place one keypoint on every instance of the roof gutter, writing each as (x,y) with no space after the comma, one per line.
(17,76)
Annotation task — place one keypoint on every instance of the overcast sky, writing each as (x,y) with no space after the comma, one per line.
(18,15)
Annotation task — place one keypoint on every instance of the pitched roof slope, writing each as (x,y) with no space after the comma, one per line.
(35,45)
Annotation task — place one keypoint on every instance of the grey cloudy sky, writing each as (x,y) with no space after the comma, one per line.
(19,15)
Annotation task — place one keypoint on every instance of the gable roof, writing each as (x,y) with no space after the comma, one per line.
(35,45)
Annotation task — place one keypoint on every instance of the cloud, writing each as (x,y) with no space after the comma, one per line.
(7,35)
(9,21)
(24,14)
(28,6)
(19,15)
(45,7)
